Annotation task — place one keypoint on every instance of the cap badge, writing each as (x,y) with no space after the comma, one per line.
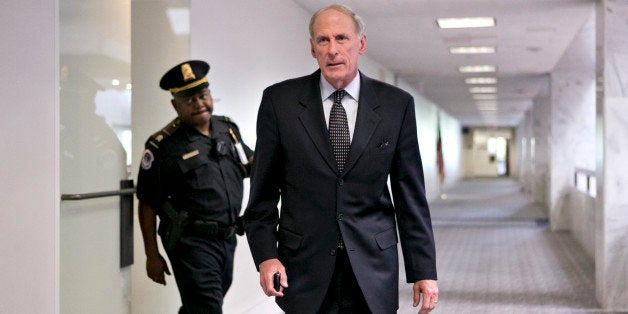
(187,72)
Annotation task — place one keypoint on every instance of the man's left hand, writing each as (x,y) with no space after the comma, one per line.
(428,291)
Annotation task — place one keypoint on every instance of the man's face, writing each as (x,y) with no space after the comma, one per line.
(195,110)
(336,47)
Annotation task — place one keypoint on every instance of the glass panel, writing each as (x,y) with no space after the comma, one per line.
(95,142)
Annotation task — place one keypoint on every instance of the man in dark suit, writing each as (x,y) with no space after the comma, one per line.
(328,159)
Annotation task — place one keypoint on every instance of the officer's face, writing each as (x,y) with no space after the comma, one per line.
(194,110)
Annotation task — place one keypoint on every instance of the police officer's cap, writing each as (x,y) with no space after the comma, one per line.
(185,79)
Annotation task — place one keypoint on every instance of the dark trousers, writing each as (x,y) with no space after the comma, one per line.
(203,269)
(344,295)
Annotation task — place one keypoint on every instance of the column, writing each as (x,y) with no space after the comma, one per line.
(160,40)
(612,153)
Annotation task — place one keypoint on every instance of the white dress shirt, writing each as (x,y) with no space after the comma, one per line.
(349,102)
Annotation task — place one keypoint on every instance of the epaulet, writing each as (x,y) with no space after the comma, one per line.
(228,120)
(165,132)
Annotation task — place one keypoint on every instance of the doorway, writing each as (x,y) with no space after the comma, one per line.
(487,152)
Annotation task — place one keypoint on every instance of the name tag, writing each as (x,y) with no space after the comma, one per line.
(190,154)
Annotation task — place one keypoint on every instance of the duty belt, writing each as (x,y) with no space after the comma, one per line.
(212,229)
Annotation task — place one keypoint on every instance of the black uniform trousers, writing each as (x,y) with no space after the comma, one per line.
(203,270)
(344,295)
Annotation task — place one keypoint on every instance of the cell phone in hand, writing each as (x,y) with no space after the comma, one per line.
(277,281)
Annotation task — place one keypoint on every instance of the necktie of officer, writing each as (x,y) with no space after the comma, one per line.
(339,130)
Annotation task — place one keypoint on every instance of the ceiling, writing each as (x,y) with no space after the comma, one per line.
(530,36)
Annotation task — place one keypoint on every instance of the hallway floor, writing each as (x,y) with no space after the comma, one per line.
(495,254)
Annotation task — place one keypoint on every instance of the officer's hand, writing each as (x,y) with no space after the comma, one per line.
(156,267)
(267,270)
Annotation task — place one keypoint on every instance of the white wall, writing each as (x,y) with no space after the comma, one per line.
(559,133)
(249,45)
(452,148)
(427,126)
(30,197)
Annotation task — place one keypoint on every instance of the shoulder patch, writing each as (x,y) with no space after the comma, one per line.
(171,127)
(147,159)
(227,120)
(165,132)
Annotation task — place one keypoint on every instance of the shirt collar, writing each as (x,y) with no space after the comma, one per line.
(353,89)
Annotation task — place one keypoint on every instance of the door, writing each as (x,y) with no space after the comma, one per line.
(95,141)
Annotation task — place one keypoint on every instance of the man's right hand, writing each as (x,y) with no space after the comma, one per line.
(156,267)
(267,270)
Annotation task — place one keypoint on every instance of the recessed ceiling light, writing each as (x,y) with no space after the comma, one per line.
(480,80)
(115,82)
(472,50)
(477,68)
(533,49)
(466,22)
(483,90)
(484,96)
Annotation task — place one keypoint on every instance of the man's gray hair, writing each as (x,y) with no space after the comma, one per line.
(357,20)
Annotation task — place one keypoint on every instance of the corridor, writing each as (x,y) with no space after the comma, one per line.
(496,255)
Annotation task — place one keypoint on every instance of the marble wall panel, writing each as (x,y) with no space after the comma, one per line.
(615,203)
(612,169)
(572,140)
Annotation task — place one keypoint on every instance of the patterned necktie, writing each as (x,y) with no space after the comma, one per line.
(339,130)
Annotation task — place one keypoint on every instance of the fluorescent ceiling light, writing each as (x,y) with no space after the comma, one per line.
(484,96)
(466,22)
(490,117)
(477,68)
(179,20)
(483,90)
(472,50)
(480,80)
(486,105)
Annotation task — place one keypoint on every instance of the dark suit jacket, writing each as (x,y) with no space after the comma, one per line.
(294,161)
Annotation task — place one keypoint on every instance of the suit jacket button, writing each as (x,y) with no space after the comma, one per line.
(332,252)
(340,182)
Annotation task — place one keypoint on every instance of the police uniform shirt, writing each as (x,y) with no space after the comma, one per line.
(200,174)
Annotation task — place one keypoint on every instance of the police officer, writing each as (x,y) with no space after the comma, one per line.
(191,177)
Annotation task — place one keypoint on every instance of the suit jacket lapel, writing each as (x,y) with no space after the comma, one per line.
(313,119)
(366,122)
